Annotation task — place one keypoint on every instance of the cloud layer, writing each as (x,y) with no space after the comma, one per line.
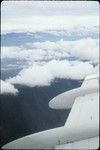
(43,75)
(83,49)
(7,88)
(50,60)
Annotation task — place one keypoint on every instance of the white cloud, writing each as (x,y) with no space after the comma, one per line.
(43,75)
(84,49)
(7,88)
(22,53)
(36,16)
(34,76)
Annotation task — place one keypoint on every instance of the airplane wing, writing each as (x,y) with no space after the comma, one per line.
(81,130)
(86,107)
(52,138)
(66,99)
(84,110)
(91,81)
(91,143)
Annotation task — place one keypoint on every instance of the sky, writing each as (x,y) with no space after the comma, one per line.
(36,16)
(61,40)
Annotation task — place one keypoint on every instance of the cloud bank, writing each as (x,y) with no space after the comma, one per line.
(7,88)
(83,49)
(43,75)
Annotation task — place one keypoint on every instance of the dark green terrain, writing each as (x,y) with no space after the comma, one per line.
(28,112)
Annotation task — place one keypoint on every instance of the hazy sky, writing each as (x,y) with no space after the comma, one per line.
(31,16)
